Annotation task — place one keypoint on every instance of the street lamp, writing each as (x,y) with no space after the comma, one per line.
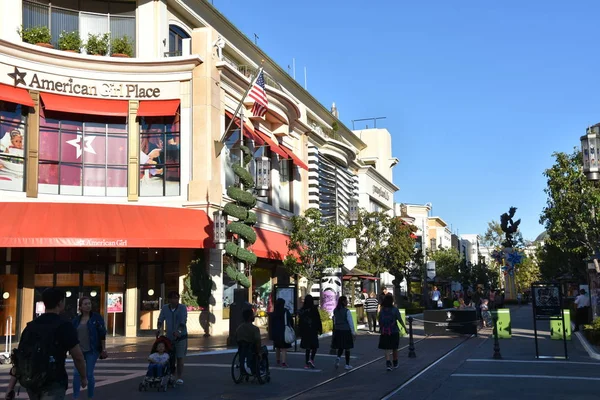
(263,175)
(220,223)
(353,211)
(589,149)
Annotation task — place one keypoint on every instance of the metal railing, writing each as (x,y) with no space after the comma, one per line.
(249,71)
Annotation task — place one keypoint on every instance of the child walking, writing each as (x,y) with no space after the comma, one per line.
(343,331)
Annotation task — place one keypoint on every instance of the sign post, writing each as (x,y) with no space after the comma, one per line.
(547,306)
(114,305)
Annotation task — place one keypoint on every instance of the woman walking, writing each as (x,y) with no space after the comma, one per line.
(389,317)
(91,333)
(281,319)
(310,329)
(343,331)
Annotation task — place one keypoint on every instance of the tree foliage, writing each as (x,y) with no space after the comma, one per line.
(570,218)
(399,249)
(198,285)
(314,245)
(447,263)
(494,236)
(526,273)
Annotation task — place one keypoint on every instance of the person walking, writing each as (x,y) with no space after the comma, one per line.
(389,317)
(91,333)
(39,361)
(371,307)
(343,331)
(174,315)
(436,298)
(583,305)
(310,328)
(281,318)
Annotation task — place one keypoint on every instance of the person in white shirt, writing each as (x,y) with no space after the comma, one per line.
(158,361)
(583,305)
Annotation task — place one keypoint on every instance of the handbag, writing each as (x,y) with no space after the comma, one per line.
(289,335)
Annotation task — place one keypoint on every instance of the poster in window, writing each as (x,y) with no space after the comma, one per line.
(12,148)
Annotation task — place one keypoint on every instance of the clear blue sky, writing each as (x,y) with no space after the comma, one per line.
(477,94)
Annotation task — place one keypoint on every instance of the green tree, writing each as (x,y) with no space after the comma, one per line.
(570,217)
(198,285)
(526,273)
(314,246)
(371,231)
(447,263)
(399,250)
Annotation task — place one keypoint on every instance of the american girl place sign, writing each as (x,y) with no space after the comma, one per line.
(29,79)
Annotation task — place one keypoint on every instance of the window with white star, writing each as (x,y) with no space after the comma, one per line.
(159,156)
(83,155)
(12,146)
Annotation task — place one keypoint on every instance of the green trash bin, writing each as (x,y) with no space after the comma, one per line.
(556,332)
(504,328)
(403,316)
(353,312)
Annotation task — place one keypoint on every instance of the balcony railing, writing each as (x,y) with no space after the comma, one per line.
(59,19)
(249,72)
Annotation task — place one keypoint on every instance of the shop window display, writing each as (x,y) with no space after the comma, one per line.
(83,157)
(159,157)
(12,147)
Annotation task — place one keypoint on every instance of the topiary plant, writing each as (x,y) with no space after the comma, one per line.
(97,45)
(70,41)
(122,47)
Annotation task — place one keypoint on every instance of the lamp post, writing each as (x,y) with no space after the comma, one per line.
(220,224)
(353,211)
(263,175)
(591,168)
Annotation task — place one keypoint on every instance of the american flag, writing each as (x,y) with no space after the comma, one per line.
(258,94)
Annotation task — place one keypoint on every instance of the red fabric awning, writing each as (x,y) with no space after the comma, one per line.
(270,244)
(85,105)
(36,224)
(15,95)
(248,130)
(295,159)
(272,145)
(158,108)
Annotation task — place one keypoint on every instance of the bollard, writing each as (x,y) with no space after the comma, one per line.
(411,342)
(497,355)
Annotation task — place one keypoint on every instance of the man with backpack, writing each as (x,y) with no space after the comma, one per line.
(39,361)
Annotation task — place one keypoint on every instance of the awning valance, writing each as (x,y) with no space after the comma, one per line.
(85,105)
(15,95)
(37,224)
(269,244)
(275,148)
(158,108)
(248,130)
(295,159)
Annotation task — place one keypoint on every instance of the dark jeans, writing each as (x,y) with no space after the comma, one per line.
(372,319)
(581,317)
(56,391)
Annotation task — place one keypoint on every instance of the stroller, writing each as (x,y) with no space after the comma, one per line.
(165,378)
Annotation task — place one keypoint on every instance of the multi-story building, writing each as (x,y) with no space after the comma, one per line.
(420,215)
(471,247)
(109,169)
(439,234)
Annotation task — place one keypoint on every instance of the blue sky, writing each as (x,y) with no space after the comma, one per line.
(477,94)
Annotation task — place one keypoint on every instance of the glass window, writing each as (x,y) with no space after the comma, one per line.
(159,157)
(80,157)
(176,36)
(12,147)
(286,178)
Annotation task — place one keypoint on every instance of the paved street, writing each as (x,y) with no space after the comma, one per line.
(445,367)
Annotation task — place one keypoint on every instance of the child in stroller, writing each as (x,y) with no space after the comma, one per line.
(161,366)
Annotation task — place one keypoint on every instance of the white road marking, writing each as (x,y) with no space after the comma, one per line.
(580,378)
(531,361)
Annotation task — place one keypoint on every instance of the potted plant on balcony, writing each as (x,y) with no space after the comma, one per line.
(38,35)
(70,41)
(97,45)
(122,47)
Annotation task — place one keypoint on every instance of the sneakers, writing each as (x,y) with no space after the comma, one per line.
(311,364)
(348,367)
(179,382)
(337,362)
(395,364)
(388,365)
(284,365)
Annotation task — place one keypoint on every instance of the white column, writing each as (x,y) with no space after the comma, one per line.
(215,269)
(152,28)
(11,18)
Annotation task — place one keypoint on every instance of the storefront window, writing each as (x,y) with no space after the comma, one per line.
(159,157)
(10,261)
(12,146)
(83,157)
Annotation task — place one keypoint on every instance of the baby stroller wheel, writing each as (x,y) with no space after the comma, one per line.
(141,387)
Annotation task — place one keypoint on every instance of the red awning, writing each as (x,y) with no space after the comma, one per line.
(85,105)
(248,130)
(15,95)
(270,244)
(158,108)
(36,224)
(272,145)
(296,160)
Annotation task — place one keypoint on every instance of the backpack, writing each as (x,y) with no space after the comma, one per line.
(387,319)
(306,319)
(34,360)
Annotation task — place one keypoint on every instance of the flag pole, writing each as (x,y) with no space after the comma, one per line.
(219,143)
